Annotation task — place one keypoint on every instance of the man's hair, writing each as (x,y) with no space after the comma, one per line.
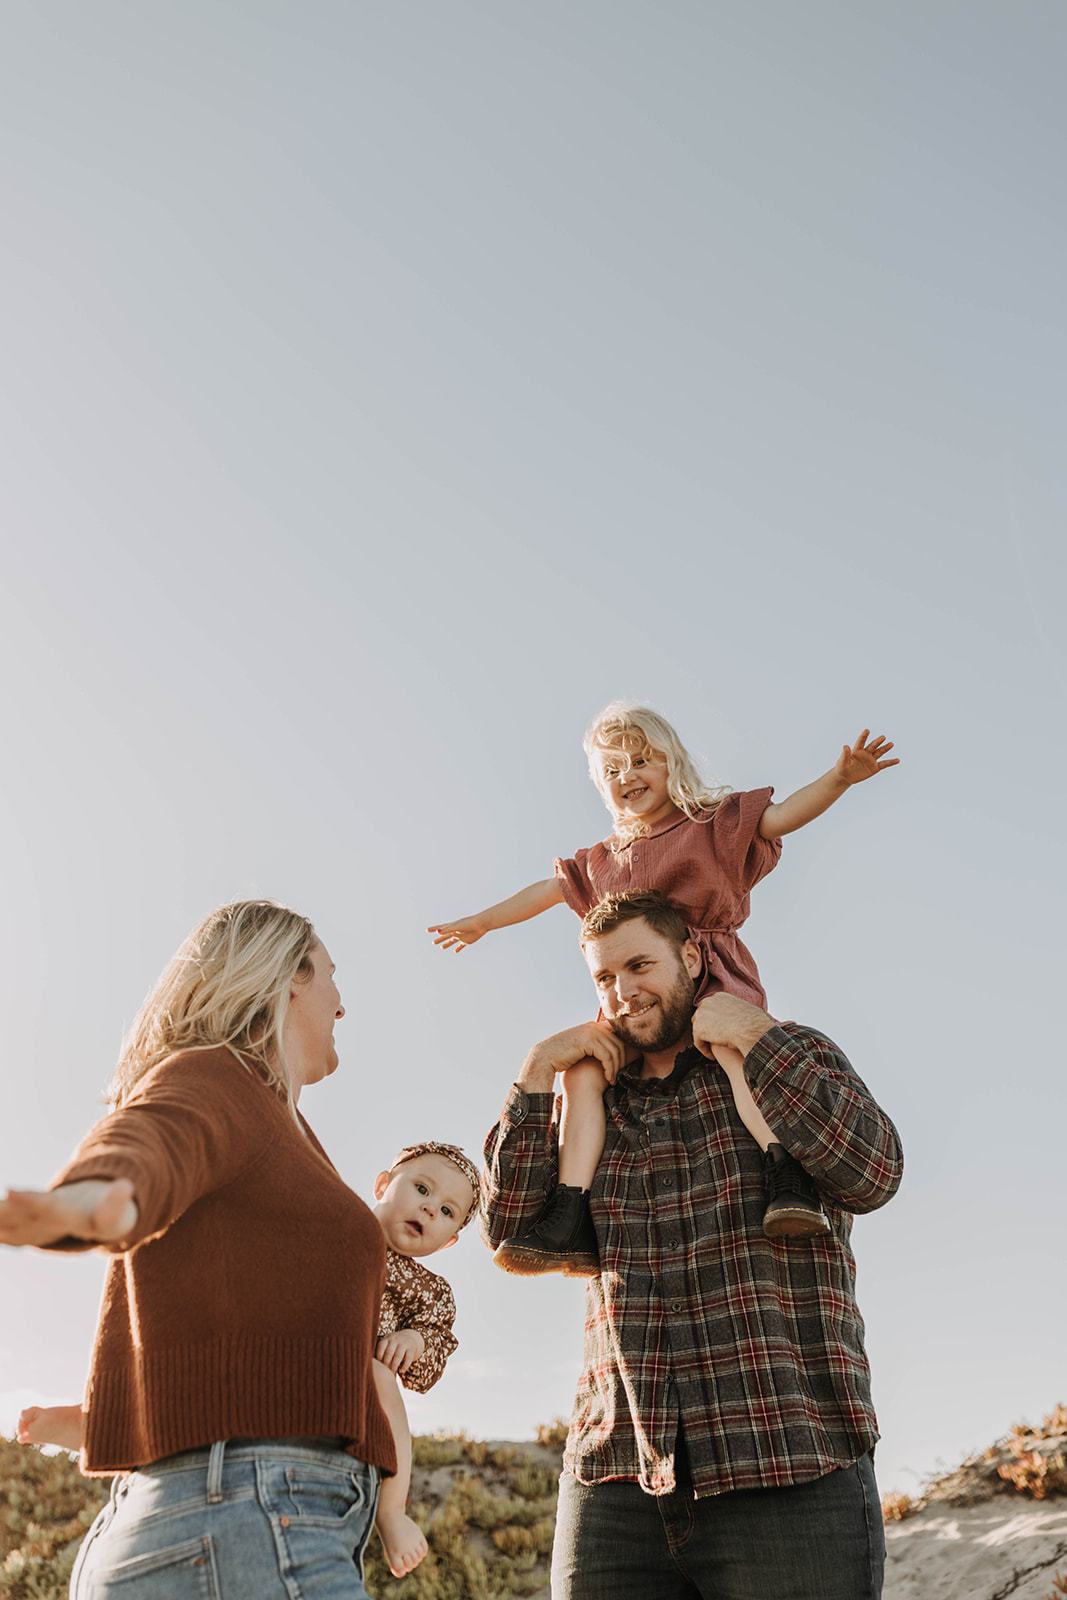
(615,909)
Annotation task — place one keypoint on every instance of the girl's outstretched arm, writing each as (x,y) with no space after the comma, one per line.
(853,765)
(529,902)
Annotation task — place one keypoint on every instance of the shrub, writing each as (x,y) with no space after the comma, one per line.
(45,1508)
(553,1434)
(895,1507)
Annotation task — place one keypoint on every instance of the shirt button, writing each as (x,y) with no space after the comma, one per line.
(667,1182)
(677,1306)
(661,1122)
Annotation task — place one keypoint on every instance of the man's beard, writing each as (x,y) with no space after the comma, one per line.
(675,1018)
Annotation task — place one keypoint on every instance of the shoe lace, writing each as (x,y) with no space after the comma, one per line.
(788,1177)
(555,1207)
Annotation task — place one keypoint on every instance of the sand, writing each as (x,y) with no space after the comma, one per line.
(1006,1546)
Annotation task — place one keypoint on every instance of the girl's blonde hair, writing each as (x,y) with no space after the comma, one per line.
(636,730)
(228,985)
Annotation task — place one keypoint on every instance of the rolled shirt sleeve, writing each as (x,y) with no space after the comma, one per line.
(521,1165)
(823,1114)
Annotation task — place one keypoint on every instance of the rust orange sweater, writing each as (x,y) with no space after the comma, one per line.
(245,1304)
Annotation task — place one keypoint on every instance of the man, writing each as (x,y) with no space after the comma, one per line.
(722,1433)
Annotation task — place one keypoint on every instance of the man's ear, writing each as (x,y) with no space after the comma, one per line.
(692,960)
(381,1183)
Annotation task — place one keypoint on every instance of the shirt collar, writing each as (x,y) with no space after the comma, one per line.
(684,1063)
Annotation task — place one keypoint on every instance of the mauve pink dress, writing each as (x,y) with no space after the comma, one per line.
(706,869)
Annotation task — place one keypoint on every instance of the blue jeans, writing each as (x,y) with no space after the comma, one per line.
(821,1540)
(259,1520)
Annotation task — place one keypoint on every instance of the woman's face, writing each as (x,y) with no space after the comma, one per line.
(314,1007)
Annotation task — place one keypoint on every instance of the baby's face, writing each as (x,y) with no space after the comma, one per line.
(422,1204)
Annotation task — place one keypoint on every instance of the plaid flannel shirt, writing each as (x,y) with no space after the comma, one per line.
(752,1347)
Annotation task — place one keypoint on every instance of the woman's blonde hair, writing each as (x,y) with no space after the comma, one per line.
(636,730)
(228,985)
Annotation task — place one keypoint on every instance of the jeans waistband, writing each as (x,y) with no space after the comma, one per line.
(212,1456)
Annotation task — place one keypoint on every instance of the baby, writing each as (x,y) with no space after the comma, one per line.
(426,1197)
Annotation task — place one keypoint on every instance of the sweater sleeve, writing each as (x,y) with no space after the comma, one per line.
(192,1125)
(825,1116)
(521,1165)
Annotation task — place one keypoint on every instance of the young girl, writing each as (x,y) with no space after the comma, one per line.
(428,1195)
(704,848)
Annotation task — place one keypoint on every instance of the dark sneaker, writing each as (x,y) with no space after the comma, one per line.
(561,1240)
(794,1210)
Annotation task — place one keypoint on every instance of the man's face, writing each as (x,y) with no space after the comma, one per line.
(646,984)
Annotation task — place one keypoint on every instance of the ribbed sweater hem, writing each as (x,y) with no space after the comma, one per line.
(238,1386)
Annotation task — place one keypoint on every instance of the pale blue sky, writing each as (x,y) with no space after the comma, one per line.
(387,387)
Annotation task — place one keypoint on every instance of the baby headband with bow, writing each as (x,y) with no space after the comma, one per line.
(450,1152)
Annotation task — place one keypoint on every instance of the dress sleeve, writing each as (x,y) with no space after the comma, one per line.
(574,880)
(743,856)
(434,1321)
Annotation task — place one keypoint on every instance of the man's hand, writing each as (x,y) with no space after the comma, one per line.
(595,1040)
(725,1027)
(99,1210)
(864,760)
(398,1350)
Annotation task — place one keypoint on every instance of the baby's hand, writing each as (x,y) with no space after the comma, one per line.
(398,1350)
(863,760)
(468,930)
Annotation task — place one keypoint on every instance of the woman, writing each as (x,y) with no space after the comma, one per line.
(231,1381)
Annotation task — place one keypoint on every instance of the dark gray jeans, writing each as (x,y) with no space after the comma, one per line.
(811,1541)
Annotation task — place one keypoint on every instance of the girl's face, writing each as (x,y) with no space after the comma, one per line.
(633,781)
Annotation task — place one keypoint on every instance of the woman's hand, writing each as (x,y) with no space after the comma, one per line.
(99,1210)
(398,1350)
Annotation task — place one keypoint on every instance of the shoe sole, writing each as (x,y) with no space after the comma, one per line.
(538,1264)
(799,1224)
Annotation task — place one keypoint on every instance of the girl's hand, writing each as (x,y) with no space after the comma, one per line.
(98,1210)
(468,930)
(398,1350)
(863,760)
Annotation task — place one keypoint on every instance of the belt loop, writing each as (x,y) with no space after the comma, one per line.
(214,1472)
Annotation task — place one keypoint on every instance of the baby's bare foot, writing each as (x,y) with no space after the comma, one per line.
(402,1542)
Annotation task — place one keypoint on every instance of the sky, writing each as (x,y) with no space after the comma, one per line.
(385,388)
